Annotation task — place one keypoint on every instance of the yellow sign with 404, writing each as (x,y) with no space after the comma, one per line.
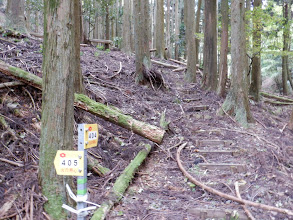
(91,135)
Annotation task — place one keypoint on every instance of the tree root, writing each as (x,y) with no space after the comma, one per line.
(224,195)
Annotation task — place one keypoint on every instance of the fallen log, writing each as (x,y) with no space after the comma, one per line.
(38,35)
(143,129)
(151,132)
(177,61)
(165,64)
(179,69)
(21,75)
(279,98)
(96,167)
(101,41)
(277,102)
(224,195)
(121,184)
(10,84)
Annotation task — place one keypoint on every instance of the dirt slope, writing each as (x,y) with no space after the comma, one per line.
(261,155)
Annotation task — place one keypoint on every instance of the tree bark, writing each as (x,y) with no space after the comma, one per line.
(141,32)
(189,6)
(57,100)
(209,80)
(107,46)
(160,40)
(197,31)
(143,129)
(78,78)
(121,184)
(15,16)
(255,85)
(236,102)
(286,45)
(168,38)
(176,30)
(223,66)
(126,39)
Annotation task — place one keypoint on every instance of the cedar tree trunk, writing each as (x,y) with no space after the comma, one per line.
(210,45)
(255,85)
(223,67)
(237,103)
(58,98)
(141,35)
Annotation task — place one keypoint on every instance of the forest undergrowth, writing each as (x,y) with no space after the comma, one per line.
(262,154)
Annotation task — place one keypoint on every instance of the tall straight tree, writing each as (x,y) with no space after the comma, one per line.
(197,30)
(286,44)
(168,35)
(107,20)
(255,84)
(126,39)
(223,66)
(236,102)
(15,15)
(141,36)
(189,7)
(160,39)
(210,45)
(176,50)
(60,51)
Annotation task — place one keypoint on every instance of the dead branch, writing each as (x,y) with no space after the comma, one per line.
(277,103)
(165,64)
(121,184)
(179,69)
(224,195)
(11,162)
(6,206)
(10,84)
(101,41)
(32,204)
(177,61)
(279,98)
(248,213)
(83,102)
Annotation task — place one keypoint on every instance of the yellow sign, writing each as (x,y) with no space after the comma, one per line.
(91,135)
(69,163)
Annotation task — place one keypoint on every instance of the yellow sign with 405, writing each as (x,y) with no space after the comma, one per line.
(69,163)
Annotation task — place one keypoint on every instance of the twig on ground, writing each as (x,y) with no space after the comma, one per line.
(32,204)
(282,130)
(46,215)
(10,84)
(224,195)
(11,162)
(260,123)
(227,114)
(248,213)
(30,97)
(110,77)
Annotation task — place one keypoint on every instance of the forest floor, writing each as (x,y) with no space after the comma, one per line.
(262,154)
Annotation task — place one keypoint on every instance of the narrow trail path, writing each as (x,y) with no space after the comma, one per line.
(218,153)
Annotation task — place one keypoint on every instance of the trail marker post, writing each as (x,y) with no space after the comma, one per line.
(74,163)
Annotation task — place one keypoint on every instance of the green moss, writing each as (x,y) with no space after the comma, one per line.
(26,75)
(54,205)
(122,183)
(3,122)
